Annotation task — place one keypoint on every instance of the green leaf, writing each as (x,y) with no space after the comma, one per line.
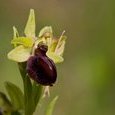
(5,104)
(19,54)
(16,95)
(4,100)
(60,45)
(49,110)
(30,26)
(16,113)
(16,34)
(27,42)
(56,58)
(46,30)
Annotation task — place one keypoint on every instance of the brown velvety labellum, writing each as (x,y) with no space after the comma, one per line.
(41,68)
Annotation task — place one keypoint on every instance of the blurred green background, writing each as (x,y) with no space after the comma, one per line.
(86,79)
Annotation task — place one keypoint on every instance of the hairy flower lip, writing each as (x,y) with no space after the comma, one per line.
(41,68)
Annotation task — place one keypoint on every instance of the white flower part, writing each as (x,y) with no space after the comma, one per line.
(45,30)
(46,92)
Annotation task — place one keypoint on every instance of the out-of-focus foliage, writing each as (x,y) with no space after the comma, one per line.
(86,79)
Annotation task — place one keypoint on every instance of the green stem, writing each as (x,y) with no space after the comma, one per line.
(36,93)
(27,89)
(32,92)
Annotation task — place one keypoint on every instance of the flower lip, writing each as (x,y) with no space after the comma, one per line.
(42,70)
(40,67)
(41,49)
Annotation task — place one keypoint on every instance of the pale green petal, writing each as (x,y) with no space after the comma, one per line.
(47,34)
(19,54)
(46,30)
(30,26)
(27,42)
(60,46)
(53,45)
(54,57)
(15,31)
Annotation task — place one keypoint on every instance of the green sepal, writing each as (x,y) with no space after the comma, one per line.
(27,42)
(16,95)
(49,110)
(56,58)
(30,26)
(19,54)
